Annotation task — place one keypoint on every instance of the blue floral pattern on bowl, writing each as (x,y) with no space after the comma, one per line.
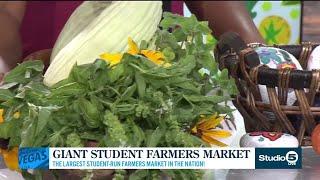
(275,58)
(267,54)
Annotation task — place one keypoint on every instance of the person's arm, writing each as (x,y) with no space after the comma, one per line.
(11,15)
(224,16)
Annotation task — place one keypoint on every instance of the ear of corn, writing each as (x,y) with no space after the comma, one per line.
(108,32)
(79,20)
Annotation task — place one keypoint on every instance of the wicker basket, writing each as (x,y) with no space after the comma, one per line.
(244,66)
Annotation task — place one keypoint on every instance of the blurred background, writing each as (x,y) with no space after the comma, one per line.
(311,21)
(284,22)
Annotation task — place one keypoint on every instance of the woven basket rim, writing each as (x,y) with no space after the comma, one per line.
(268,76)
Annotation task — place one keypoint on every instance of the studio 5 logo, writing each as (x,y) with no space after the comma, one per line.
(278,158)
(292,158)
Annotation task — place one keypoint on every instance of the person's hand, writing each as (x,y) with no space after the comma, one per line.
(43,55)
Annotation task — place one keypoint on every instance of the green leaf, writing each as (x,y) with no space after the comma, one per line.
(168,53)
(44,115)
(116,73)
(134,133)
(5,94)
(141,84)
(70,89)
(129,92)
(90,112)
(8,85)
(24,72)
(5,129)
(212,99)
(179,34)
(155,137)
(35,123)
(74,140)
(189,86)
(138,174)
(93,136)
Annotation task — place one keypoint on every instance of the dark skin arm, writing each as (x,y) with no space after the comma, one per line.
(224,16)
(11,15)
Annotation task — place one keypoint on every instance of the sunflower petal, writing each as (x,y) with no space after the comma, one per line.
(205,124)
(210,122)
(133,47)
(155,56)
(113,59)
(1,116)
(217,121)
(213,141)
(217,133)
(11,158)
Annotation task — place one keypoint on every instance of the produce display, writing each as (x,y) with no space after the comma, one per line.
(160,89)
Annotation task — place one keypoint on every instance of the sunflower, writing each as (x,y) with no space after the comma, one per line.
(156,57)
(206,130)
(10,157)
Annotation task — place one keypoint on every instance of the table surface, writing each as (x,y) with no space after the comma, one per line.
(310,171)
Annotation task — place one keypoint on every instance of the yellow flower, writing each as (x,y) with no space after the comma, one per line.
(1,116)
(205,129)
(155,56)
(113,59)
(10,158)
(133,47)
